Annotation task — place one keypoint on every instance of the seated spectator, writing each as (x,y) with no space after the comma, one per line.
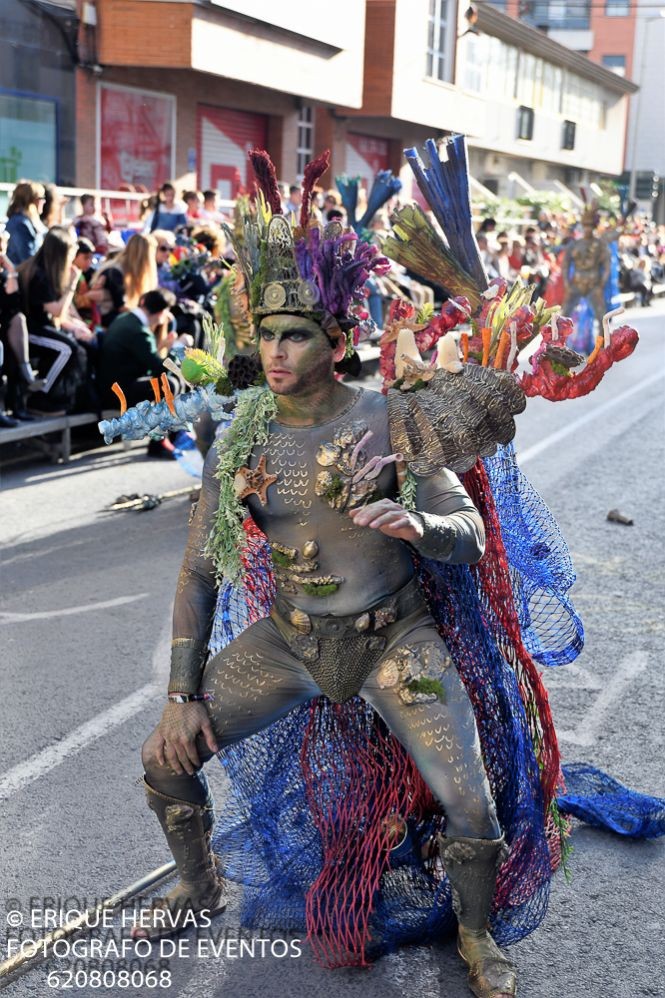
(487,228)
(90,225)
(54,207)
(13,327)
(194,202)
(639,280)
(516,254)
(210,211)
(168,213)
(120,282)
(48,282)
(502,258)
(292,206)
(6,422)
(24,225)
(132,351)
(131,348)
(331,201)
(164,246)
(487,257)
(83,261)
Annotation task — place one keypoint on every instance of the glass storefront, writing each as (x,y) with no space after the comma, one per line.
(28,138)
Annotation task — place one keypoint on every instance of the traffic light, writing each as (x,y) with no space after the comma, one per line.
(647,185)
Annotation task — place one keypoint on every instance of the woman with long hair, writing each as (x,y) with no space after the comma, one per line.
(168,213)
(24,225)
(48,281)
(118,284)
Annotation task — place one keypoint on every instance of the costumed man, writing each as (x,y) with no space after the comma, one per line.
(586,268)
(348,617)
(371,536)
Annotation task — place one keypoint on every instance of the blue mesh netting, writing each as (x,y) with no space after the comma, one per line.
(600,800)
(541,567)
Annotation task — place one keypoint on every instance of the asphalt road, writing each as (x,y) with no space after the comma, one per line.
(84,626)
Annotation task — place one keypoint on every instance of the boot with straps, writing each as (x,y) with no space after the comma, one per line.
(188,830)
(471,866)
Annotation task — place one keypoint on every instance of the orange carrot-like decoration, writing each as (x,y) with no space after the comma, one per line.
(501,349)
(487,338)
(120,395)
(600,342)
(155,389)
(168,394)
(464,338)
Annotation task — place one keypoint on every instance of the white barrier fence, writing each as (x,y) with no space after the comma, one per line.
(123,206)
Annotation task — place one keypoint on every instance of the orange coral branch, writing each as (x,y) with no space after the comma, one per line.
(487,339)
(155,389)
(501,349)
(168,394)
(600,343)
(120,395)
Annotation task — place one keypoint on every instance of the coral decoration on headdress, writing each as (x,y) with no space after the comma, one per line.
(415,244)
(266,178)
(313,171)
(445,186)
(306,270)
(384,187)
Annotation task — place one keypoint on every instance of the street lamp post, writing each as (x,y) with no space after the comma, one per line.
(638,98)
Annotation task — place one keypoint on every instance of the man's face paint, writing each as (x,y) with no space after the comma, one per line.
(295,353)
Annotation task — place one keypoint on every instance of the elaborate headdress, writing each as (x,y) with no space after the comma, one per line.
(306,268)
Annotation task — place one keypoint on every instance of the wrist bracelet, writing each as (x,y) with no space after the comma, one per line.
(188,697)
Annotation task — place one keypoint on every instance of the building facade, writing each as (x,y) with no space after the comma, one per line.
(192,86)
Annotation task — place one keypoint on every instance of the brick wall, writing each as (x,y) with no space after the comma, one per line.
(379,56)
(135,33)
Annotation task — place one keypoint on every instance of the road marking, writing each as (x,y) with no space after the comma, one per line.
(581,677)
(19,618)
(48,758)
(599,410)
(629,669)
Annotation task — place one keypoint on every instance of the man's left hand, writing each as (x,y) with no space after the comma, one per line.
(390,518)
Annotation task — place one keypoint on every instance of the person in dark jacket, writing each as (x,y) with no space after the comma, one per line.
(133,347)
(130,355)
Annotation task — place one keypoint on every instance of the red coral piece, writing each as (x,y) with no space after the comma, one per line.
(547,383)
(266,178)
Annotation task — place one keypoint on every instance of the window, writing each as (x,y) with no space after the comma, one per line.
(617,63)
(617,8)
(525,123)
(559,13)
(526,79)
(501,68)
(552,83)
(305,139)
(476,63)
(28,138)
(440,29)
(568,138)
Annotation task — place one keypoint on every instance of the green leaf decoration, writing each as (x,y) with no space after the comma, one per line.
(254,411)
(426,685)
(313,590)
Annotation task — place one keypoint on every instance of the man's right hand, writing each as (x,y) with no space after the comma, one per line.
(179,727)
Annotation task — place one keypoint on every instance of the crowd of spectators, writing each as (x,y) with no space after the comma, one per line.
(536,253)
(83,305)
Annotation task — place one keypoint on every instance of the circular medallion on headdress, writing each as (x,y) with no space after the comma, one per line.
(308,293)
(274,295)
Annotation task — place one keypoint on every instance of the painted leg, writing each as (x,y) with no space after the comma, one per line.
(254,681)
(418,692)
